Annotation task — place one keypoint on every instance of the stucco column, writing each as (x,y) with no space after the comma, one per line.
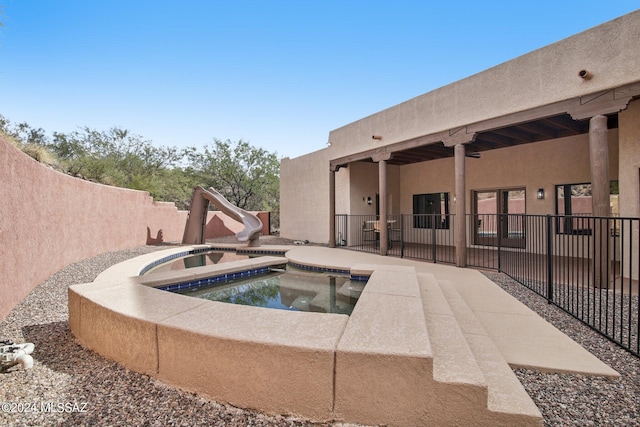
(384,231)
(382,159)
(332,208)
(456,139)
(599,160)
(460,232)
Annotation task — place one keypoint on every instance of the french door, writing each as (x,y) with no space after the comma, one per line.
(499,217)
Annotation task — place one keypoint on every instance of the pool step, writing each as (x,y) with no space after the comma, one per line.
(383,362)
(453,360)
(463,351)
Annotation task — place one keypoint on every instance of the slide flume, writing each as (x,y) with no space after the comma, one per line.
(194,231)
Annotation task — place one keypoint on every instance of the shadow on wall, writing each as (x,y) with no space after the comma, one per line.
(158,240)
(221,225)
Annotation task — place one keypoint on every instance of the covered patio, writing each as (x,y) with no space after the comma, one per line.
(595,115)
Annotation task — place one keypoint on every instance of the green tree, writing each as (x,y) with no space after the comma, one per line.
(176,185)
(247,176)
(115,157)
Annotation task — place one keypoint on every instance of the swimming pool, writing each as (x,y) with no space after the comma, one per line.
(289,289)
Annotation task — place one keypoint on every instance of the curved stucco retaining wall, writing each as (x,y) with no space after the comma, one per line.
(271,360)
(49,220)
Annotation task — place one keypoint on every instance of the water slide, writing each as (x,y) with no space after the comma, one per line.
(194,230)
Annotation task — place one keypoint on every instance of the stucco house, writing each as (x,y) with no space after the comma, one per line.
(555,131)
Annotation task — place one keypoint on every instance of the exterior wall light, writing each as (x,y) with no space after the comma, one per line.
(540,193)
(376,137)
(369,201)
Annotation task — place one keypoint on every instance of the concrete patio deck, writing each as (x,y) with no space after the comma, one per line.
(523,337)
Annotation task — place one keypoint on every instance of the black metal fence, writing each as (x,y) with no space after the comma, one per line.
(425,237)
(587,266)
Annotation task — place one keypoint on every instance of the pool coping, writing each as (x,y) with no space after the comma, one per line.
(374,367)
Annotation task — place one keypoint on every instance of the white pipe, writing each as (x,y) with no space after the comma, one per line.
(14,354)
(23,359)
(27,347)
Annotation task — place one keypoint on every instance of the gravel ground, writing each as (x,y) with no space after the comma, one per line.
(91,389)
(579,400)
(69,385)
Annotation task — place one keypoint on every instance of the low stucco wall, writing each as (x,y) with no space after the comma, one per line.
(49,220)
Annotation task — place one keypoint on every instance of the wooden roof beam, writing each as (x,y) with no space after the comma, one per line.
(538,129)
(567,123)
(502,141)
(514,133)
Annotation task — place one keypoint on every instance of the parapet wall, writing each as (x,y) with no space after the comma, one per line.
(49,220)
(542,77)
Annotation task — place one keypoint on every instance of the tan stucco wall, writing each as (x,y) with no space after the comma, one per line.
(532,166)
(629,121)
(364,183)
(363,180)
(304,197)
(436,176)
(49,220)
(610,51)
(538,165)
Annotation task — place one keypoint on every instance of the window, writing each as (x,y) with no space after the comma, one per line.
(431,210)
(575,200)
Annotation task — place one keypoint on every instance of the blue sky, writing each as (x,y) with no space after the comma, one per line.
(279,74)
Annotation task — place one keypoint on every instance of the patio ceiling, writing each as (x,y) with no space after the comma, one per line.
(523,133)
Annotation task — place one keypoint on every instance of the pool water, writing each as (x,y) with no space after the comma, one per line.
(287,290)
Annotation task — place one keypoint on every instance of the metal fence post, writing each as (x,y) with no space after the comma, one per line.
(549,259)
(401,236)
(434,248)
(499,218)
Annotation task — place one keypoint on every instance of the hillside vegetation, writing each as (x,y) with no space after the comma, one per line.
(246,175)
